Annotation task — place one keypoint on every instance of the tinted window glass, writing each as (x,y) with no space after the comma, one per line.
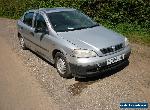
(28,18)
(70,20)
(40,22)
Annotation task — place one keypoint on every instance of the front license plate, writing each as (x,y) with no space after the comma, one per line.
(115,59)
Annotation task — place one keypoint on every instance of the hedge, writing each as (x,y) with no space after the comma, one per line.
(114,11)
(111,13)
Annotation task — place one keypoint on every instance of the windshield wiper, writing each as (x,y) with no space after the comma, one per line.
(84,27)
(72,29)
(93,26)
(77,28)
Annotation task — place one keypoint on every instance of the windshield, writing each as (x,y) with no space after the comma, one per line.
(70,20)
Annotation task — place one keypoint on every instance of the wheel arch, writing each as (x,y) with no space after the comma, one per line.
(19,35)
(68,73)
(55,51)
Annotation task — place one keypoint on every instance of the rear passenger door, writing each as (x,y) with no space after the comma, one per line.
(27,28)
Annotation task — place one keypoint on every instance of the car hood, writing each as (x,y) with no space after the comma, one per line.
(92,38)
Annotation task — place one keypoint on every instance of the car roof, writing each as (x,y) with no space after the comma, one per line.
(50,10)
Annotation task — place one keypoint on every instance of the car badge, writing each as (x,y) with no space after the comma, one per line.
(113,47)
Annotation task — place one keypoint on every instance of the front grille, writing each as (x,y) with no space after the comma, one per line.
(111,48)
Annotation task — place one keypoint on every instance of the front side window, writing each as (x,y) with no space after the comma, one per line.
(70,20)
(28,18)
(40,22)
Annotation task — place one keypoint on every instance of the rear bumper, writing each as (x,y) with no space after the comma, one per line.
(96,68)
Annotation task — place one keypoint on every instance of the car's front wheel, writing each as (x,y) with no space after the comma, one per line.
(62,66)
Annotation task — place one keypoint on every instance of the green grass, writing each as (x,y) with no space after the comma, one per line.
(135,33)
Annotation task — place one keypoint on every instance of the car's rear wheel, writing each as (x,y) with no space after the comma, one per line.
(62,66)
(22,43)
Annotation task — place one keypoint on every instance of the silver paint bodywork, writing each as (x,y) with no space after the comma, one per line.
(93,39)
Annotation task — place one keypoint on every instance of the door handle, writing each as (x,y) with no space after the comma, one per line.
(32,33)
(21,28)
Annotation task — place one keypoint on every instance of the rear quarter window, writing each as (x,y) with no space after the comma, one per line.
(28,17)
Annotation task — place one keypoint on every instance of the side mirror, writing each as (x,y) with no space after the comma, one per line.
(37,30)
(41,30)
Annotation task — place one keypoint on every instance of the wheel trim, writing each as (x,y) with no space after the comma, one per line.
(22,42)
(61,65)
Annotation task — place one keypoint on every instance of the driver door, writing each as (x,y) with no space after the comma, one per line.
(42,36)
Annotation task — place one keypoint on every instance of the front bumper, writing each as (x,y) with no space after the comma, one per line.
(91,67)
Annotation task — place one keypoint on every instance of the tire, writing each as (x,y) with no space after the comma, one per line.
(62,66)
(22,43)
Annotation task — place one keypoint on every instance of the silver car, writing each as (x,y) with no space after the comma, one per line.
(69,39)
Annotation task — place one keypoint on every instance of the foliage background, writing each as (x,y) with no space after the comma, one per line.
(129,17)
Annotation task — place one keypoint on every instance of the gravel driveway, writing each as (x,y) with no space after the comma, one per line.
(130,83)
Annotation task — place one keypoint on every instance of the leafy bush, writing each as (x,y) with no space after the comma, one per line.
(15,8)
(115,11)
(119,11)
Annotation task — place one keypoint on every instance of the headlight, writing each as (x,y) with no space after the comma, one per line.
(83,53)
(126,42)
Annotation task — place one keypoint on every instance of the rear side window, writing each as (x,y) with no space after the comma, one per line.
(28,18)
